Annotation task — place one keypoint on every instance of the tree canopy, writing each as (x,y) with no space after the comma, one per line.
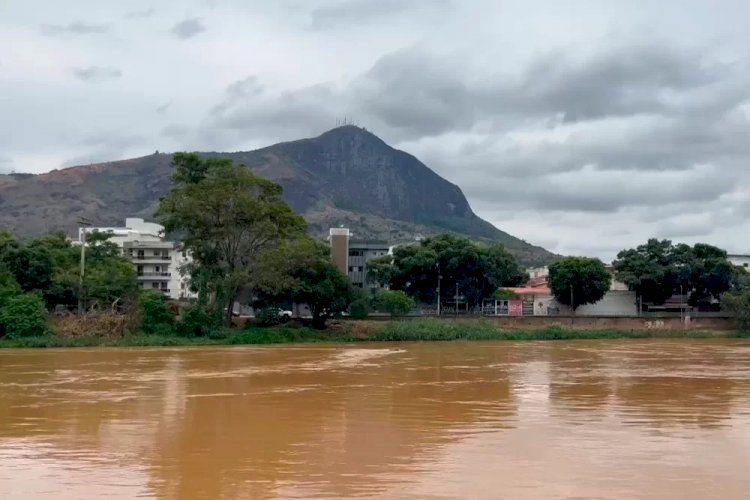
(477,270)
(302,271)
(227,218)
(50,267)
(576,281)
(658,269)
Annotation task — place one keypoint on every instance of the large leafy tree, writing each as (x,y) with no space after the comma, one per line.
(576,281)
(302,271)
(658,269)
(458,263)
(228,219)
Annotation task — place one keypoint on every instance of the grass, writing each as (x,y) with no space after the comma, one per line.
(479,330)
(392,331)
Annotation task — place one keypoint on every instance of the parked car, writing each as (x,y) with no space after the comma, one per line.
(285,314)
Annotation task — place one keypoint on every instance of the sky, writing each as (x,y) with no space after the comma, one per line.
(582,126)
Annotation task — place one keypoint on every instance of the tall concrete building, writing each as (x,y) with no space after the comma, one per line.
(157,261)
(351,256)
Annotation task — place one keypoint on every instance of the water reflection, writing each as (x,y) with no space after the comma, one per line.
(428,419)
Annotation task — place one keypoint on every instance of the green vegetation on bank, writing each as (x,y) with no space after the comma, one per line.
(392,331)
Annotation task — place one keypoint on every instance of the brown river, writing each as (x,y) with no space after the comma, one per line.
(581,419)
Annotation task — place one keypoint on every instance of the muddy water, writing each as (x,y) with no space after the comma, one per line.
(626,420)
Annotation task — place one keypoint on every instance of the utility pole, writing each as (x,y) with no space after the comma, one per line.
(438,289)
(84,223)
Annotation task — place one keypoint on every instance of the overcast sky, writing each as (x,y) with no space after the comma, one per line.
(583,126)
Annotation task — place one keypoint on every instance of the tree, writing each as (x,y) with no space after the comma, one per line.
(394,302)
(31,265)
(380,270)
(228,219)
(456,262)
(576,281)
(658,269)
(8,287)
(109,277)
(301,271)
(646,270)
(324,289)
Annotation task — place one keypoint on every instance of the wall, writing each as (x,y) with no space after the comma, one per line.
(610,323)
(614,303)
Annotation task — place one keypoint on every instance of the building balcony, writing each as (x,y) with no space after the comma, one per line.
(147,276)
(151,258)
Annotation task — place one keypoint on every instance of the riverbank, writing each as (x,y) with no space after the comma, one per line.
(356,331)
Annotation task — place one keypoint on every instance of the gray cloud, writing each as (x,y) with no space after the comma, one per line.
(176,131)
(356,12)
(140,14)
(74,28)
(584,129)
(96,73)
(188,28)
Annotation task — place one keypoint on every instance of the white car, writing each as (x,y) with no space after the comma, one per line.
(285,314)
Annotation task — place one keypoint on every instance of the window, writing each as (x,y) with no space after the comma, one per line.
(360,269)
(745,264)
(155,285)
(356,253)
(351,269)
(157,269)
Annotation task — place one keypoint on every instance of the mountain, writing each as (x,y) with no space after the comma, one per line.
(347,176)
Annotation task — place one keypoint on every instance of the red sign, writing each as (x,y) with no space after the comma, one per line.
(515,308)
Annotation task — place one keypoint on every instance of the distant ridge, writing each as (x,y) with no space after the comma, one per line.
(346,176)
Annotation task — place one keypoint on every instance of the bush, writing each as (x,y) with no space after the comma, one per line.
(394,302)
(268,316)
(196,321)
(360,308)
(23,316)
(157,318)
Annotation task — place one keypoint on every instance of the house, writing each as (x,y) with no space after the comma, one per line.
(158,262)
(536,299)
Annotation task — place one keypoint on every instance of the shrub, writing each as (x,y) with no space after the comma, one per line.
(23,316)
(157,318)
(196,321)
(394,302)
(268,316)
(360,308)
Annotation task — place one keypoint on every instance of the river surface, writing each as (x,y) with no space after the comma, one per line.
(581,419)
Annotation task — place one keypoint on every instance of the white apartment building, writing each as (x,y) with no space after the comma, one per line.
(157,261)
